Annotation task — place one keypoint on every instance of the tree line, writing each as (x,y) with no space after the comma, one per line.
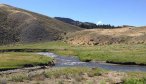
(94,26)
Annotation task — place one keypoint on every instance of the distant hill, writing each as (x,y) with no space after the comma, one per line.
(19,25)
(87,25)
(128,35)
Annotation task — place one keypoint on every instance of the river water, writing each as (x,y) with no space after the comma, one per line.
(72,61)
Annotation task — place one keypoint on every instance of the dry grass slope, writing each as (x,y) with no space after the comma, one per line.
(18,25)
(135,35)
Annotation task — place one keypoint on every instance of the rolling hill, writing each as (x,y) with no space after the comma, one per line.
(89,25)
(86,25)
(19,25)
(128,35)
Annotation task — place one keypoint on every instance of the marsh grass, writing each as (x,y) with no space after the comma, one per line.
(10,60)
(135,78)
(115,53)
(135,81)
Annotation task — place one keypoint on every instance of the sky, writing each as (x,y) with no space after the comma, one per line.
(115,12)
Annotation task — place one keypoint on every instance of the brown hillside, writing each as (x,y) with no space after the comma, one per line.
(18,25)
(108,36)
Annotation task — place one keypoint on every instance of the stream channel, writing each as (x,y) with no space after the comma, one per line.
(73,61)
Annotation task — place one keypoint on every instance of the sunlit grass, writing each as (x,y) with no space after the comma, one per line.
(135,78)
(73,72)
(116,53)
(12,60)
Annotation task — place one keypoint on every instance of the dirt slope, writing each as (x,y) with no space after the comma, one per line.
(18,25)
(108,36)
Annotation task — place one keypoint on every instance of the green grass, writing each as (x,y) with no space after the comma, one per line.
(135,81)
(135,78)
(115,53)
(10,60)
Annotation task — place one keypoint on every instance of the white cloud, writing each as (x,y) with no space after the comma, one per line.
(99,22)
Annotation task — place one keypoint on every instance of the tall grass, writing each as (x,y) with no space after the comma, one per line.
(12,60)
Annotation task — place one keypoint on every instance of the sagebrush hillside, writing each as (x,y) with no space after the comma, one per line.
(18,25)
(128,35)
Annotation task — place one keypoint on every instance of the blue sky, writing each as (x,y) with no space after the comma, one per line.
(116,12)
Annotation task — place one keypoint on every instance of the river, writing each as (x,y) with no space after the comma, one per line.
(72,61)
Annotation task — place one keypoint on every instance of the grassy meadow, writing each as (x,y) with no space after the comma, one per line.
(73,75)
(116,53)
(12,60)
(53,76)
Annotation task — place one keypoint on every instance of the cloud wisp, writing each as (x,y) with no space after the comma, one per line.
(99,22)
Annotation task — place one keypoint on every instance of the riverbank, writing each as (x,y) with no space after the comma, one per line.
(63,75)
(73,61)
(15,60)
(128,54)
(74,75)
(117,53)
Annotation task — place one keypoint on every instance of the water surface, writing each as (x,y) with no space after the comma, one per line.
(72,61)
